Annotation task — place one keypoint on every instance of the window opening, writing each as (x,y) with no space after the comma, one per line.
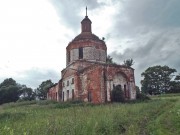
(67,94)
(63,96)
(72,94)
(89,96)
(72,81)
(80,53)
(125,91)
(69,56)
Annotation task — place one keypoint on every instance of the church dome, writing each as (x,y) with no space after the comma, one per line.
(84,36)
(86,46)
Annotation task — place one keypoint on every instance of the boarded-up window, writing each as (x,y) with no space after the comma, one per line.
(80,53)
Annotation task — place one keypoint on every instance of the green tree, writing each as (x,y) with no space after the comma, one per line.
(41,91)
(27,93)
(137,89)
(128,62)
(177,78)
(157,79)
(9,91)
(175,85)
(141,96)
(8,82)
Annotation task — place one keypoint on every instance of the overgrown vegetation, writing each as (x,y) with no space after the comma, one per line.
(118,94)
(159,116)
(141,96)
(128,62)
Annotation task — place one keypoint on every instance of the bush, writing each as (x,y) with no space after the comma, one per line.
(76,102)
(63,105)
(118,94)
(46,102)
(141,96)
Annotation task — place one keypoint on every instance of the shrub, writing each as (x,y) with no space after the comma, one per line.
(118,94)
(46,102)
(142,96)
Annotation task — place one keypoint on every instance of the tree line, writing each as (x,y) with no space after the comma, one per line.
(11,91)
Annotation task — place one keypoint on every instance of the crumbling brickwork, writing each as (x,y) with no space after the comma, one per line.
(53,93)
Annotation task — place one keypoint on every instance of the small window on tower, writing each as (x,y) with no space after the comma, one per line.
(80,53)
(69,56)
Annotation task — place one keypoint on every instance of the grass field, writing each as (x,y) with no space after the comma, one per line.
(159,116)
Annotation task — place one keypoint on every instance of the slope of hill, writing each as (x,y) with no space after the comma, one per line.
(159,116)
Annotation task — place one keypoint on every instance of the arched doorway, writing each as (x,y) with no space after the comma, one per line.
(120,79)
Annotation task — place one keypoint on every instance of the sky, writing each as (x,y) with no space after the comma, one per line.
(34,35)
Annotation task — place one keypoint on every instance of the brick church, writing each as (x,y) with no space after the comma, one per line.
(87,76)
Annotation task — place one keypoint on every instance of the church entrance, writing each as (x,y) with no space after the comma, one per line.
(121,80)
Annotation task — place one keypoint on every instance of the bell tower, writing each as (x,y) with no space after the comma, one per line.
(86,24)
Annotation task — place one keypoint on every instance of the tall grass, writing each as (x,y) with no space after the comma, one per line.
(158,116)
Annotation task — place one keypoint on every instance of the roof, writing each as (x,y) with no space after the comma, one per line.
(86,19)
(99,64)
(84,36)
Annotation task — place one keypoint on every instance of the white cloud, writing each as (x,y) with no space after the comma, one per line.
(31,35)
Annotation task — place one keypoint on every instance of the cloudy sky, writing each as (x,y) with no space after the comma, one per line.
(34,34)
